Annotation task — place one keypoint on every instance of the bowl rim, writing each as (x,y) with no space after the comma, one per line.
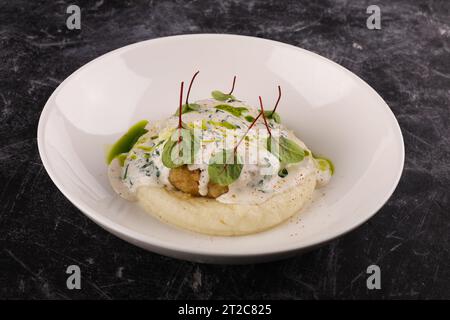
(155,244)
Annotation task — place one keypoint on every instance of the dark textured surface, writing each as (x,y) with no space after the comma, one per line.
(407,62)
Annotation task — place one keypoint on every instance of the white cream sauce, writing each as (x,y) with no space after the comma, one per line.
(259,179)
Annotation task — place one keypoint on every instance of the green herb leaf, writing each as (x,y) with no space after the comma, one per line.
(224,167)
(127,141)
(219,95)
(249,118)
(177,153)
(167,155)
(185,108)
(235,111)
(286,150)
(272,115)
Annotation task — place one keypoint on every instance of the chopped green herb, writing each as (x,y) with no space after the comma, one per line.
(147,165)
(126,172)
(283,173)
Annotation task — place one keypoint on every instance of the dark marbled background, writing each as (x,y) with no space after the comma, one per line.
(407,62)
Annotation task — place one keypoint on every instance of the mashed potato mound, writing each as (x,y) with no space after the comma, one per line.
(211,217)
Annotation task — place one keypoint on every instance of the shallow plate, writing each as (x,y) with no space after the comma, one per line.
(332,110)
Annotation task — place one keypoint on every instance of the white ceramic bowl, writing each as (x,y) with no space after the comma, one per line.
(332,110)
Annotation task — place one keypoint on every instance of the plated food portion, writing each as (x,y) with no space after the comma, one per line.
(217,166)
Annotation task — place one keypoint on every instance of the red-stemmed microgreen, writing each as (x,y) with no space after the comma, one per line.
(264,116)
(220,96)
(272,114)
(286,150)
(232,87)
(278,100)
(234,155)
(190,86)
(189,107)
(235,149)
(188,145)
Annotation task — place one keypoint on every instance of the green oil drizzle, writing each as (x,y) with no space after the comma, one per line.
(127,141)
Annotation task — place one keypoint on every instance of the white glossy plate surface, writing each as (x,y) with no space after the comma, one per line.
(332,110)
